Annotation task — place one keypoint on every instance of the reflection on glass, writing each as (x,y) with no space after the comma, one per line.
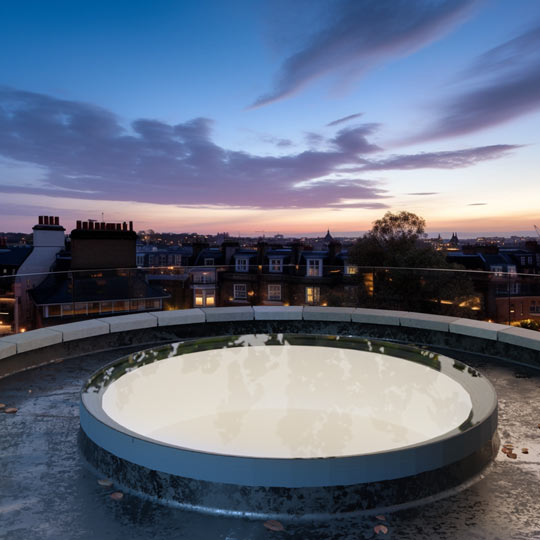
(262,396)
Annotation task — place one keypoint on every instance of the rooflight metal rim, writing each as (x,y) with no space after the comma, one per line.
(287,472)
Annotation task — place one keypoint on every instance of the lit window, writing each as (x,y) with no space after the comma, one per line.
(276,265)
(351,270)
(314,267)
(80,309)
(274,292)
(240,291)
(204,297)
(54,311)
(313,295)
(242,265)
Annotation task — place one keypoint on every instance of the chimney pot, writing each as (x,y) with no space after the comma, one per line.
(40,220)
(124,226)
(78,224)
(56,220)
(51,220)
(85,225)
(131,225)
(45,220)
(91,225)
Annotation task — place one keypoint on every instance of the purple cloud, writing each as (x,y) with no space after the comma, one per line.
(450,159)
(354,140)
(506,85)
(88,154)
(344,119)
(314,139)
(360,35)
(277,141)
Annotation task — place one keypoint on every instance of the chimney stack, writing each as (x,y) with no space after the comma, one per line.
(334,247)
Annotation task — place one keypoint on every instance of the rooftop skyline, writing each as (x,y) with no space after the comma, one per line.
(283,117)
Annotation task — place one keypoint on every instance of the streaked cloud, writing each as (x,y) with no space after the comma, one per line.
(450,159)
(276,141)
(344,119)
(361,35)
(422,193)
(502,84)
(477,204)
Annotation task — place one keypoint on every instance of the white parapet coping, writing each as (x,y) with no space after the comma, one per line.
(82,329)
(27,341)
(480,329)
(522,337)
(134,321)
(224,314)
(7,348)
(318,313)
(278,313)
(36,339)
(378,316)
(179,316)
(427,321)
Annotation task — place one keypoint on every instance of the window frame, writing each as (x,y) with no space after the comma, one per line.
(273,267)
(236,287)
(312,265)
(315,295)
(241,264)
(275,297)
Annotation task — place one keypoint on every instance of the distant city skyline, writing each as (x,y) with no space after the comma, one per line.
(283,117)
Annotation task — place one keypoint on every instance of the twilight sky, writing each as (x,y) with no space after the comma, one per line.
(286,116)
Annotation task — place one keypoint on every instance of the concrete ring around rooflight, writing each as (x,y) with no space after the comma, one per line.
(288,424)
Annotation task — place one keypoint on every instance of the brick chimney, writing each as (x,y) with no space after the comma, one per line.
(262,248)
(228,248)
(334,247)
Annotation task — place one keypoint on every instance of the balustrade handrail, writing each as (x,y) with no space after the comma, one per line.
(201,268)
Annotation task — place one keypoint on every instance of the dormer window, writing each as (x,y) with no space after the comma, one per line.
(314,267)
(242,264)
(276,265)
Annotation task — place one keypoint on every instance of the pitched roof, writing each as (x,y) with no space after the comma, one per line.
(14,256)
(58,289)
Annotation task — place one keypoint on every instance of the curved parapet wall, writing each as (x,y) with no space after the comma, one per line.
(38,347)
